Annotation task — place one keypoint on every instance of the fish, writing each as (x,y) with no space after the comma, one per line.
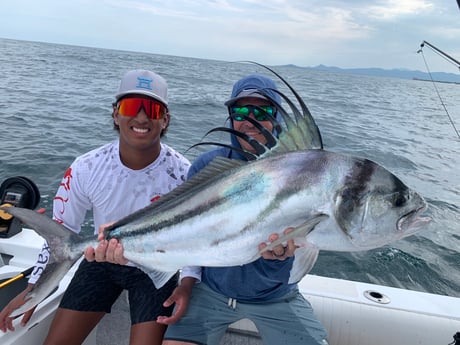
(333,201)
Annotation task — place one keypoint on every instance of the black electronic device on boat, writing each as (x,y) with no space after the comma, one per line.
(16,191)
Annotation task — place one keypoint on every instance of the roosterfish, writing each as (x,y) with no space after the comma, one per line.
(333,201)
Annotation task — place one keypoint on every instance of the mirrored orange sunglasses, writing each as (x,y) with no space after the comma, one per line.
(154,109)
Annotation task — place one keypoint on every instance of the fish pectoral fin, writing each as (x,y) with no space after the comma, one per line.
(300,231)
(304,260)
(160,278)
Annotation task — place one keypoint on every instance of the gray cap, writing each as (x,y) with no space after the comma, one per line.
(143,82)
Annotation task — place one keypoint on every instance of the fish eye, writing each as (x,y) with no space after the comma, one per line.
(399,199)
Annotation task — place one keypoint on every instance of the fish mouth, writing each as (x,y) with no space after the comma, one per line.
(412,221)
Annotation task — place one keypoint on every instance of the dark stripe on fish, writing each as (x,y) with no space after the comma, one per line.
(351,195)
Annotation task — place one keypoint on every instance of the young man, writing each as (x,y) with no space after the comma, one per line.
(114,181)
(259,290)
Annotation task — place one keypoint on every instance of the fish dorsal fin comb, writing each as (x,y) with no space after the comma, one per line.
(304,119)
(297,129)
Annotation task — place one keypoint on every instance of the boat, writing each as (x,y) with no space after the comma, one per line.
(353,313)
(18,253)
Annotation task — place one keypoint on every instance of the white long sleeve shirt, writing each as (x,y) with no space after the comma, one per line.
(99,181)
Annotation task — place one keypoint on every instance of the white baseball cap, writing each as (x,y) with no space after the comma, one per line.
(145,83)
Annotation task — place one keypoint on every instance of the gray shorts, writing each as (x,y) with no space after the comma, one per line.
(96,286)
(287,320)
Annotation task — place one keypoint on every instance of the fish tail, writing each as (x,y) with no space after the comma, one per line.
(46,285)
(51,231)
(61,256)
(64,244)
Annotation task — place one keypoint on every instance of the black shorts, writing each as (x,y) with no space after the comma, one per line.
(96,286)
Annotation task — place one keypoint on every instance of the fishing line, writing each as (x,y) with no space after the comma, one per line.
(434,84)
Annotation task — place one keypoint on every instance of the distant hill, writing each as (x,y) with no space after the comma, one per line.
(394,73)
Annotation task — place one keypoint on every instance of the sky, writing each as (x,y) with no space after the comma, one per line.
(342,33)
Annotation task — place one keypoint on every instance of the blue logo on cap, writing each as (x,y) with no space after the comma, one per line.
(144,83)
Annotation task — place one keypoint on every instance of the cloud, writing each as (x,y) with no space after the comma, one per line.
(346,33)
(393,9)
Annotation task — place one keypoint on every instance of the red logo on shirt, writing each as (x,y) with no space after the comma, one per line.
(61,196)
(67,177)
(155,198)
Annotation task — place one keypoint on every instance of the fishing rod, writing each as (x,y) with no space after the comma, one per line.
(440,52)
(19,276)
(451,60)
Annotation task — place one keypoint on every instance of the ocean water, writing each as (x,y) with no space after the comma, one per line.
(55,104)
